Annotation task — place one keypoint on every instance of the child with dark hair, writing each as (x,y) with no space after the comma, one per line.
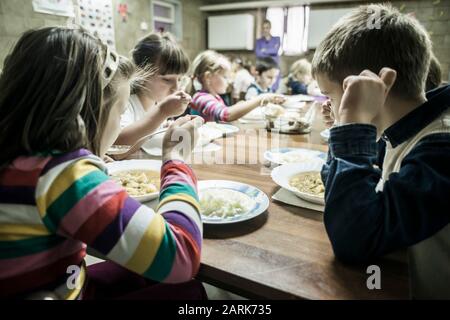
(158,97)
(210,74)
(266,74)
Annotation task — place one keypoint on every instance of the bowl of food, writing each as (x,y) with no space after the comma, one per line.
(286,120)
(280,156)
(140,178)
(224,202)
(302,179)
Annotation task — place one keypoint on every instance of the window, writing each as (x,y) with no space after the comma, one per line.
(163,16)
(291,25)
(167,17)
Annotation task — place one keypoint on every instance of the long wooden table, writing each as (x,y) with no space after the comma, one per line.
(285,252)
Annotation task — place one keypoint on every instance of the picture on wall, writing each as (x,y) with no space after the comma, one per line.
(97,16)
(56,7)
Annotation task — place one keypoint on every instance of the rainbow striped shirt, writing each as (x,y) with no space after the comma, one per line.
(53,207)
(209,107)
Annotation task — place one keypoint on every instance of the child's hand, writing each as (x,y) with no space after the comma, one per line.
(266,98)
(327,114)
(167,123)
(365,95)
(185,128)
(107,159)
(175,104)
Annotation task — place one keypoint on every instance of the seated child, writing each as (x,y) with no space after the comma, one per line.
(210,79)
(242,80)
(266,75)
(378,92)
(158,96)
(56,198)
(300,80)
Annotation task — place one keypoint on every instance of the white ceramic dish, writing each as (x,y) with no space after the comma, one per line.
(282,156)
(281,176)
(225,128)
(207,134)
(126,165)
(258,197)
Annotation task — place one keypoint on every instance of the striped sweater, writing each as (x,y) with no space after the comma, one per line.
(53,207)
(209,107)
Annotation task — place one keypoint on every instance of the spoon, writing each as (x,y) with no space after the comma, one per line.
(120,152)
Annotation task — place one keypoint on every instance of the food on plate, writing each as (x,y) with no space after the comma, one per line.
(224,203)
(138,182)
(273,110)
(308,182)
(293,116)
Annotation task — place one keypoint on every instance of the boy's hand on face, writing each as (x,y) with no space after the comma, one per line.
(175,104)
(365,95)
(327,114)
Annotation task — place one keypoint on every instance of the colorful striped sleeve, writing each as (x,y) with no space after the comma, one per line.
(210,108)
(76,199)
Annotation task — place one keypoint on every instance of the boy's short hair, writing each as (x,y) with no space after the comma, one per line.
(372,37)
(265,64)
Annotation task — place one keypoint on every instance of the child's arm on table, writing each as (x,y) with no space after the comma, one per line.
(78,200)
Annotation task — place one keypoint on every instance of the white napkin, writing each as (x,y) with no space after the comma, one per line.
(288,197)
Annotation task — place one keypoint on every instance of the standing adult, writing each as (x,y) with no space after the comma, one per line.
(269,46)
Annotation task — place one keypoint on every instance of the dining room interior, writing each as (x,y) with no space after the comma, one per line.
(224,149)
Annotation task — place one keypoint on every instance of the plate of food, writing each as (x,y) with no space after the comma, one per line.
(302,179)
(273,110)
(224,202)
(292,104)
(294,155)
(207,134)
(300,97)
(225,128)
(140,178)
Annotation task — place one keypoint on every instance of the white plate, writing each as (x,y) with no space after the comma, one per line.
(254,122)
(278,156)
(325,134)
(292,104)
(207,134)
(261,201)
(125,165)
(300,97)
(226,129)
(282,174)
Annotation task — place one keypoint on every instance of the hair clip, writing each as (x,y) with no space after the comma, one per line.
(109,67)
